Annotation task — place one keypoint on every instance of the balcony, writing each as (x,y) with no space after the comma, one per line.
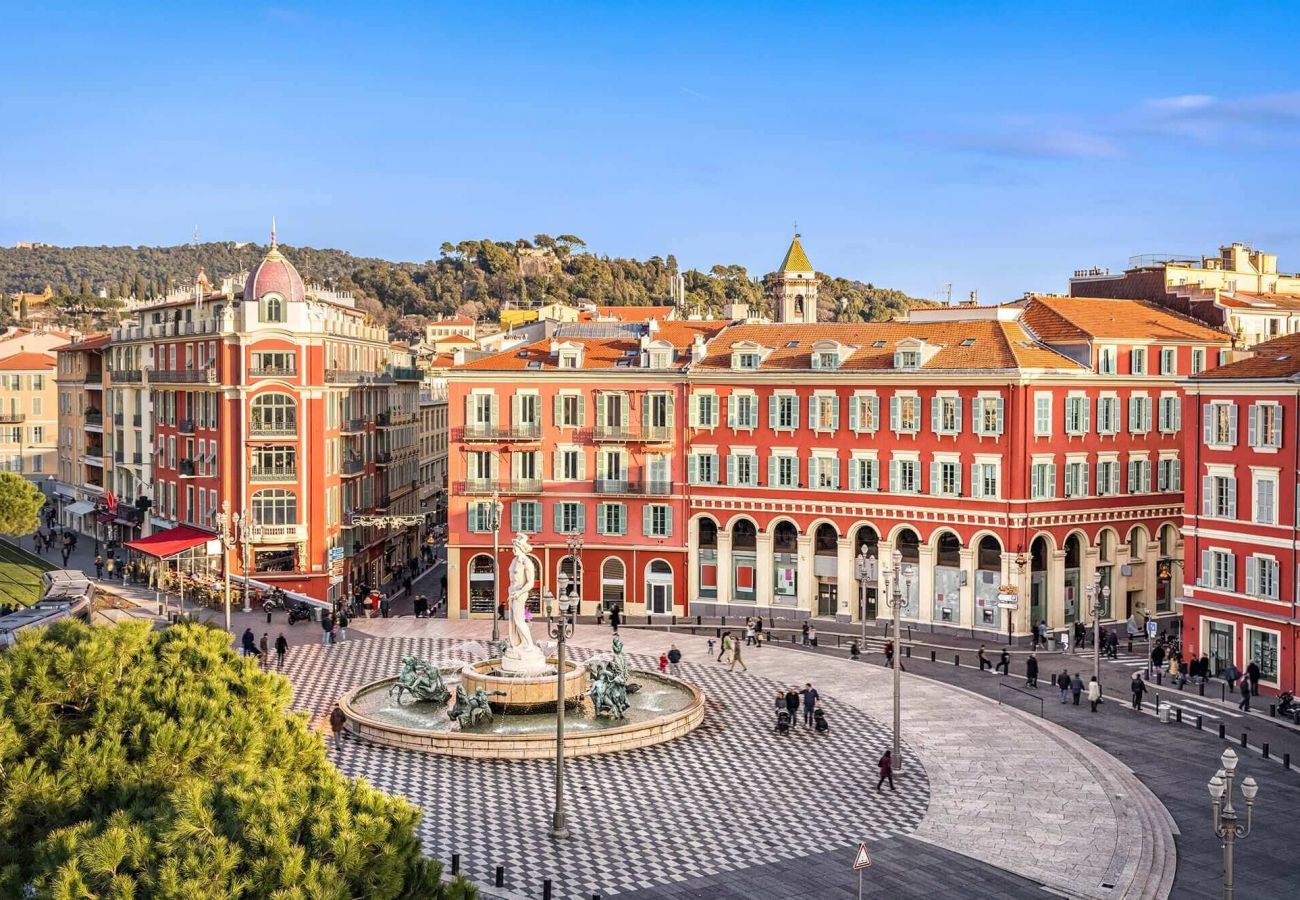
(393,418)
(527,431)
(186,426)
(206,375)
(405,373)
(273,473)
(275,534)
(186,468)
(12,418)
(128,376)
(117,420)
(95,380)
(119,457)
(93,457)
(273,430)
(137,458)
(644,434)
(352,376)
(353,467)
(483,487)
(385,457)
(95,420)
(273,371)
(353,426)
(624,486)
(137,420)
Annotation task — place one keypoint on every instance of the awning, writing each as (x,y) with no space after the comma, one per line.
(292,595)
(80,508)
(172,541)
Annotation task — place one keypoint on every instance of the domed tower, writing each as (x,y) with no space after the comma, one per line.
(795,287)
(274,275)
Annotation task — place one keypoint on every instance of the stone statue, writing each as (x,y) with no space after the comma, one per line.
(524,656)
(608,690)
(470,710)
(421,680)
(620,667)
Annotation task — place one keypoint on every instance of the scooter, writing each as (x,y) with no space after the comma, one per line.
(299,612)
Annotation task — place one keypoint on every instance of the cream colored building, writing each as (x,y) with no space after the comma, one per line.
(84,462)
(28,415)
(433,437)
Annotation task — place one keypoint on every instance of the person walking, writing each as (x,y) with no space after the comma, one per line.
(1004,663)
(810,695)
(1138,687)
(265,656)
(1252,675)
(338,721)
(1094,692)
(725,647)
(804,630)
(1031,671)
(99,566)
(663,663)
(983,660)
(886,770)
(250,643)
(749,631)
(281,647)
(889,654)
(1244,705)
(384,605)
(792,704)
(1063,683)
(735,658)
(326,623)
(812,635)
(341,620)
(1076,687)
(674,660)
(615,617)
(1230,674)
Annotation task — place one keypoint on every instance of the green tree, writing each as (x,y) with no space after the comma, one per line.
(20,505)
(137,764)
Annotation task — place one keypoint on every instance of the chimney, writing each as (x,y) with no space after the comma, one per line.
(555,347)
(735,311)
(698,349)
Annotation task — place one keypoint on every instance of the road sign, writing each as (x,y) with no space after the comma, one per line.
(336,553)
(863,859)
(1151,629)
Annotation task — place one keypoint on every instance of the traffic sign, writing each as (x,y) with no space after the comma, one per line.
(336,553)
(864,859)
(1151,629)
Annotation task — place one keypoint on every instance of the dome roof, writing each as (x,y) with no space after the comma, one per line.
(274,275)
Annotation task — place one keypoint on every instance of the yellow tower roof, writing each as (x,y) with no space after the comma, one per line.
(795,259)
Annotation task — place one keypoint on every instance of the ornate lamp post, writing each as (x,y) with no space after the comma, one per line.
(1099,598)
(862,568)
(1226,826)
(230,531)
(495,512)
(896,602)
(559,625)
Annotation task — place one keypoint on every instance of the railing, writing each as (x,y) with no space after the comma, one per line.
(261,534)
(186,426)
(405,373)
(273,473)
(12,418)
(353,426)
(137,458)
(273,429)
(653,434)
(117,419)
(273,371)
(94,420)
(137,420)
(353,466)
(94,459)
(1003,686)
(206,375)
(479,487)
(392,418)
(352,376)
(128,376)
(524,432)
(186,468)
(628,486)
(119,457)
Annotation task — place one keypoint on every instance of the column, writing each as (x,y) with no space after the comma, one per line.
(1056,590)
(1086,573)
(724,570)
(457,604)
(925,594)
(966,592)
(764,583)
(1012,574)
(1151,567)
(692,565)
(850,592)
(805,573)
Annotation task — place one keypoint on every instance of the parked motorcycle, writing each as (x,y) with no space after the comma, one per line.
(299,611)
(273,601)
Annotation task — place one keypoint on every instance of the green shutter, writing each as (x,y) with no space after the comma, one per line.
(854,403)
(668,521)
(1000,413)
(772,471)
(692,469)
(647,521)
(977,415)
(854,481)
(894,417)
(835,413)
(772,412)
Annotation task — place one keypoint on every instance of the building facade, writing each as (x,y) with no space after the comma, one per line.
(29,415)
(1241,530)
(85,462)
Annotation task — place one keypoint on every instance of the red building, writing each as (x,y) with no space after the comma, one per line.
(1241,530)
(743,466)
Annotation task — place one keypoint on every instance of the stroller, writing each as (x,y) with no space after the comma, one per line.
(782,722)
(820,725)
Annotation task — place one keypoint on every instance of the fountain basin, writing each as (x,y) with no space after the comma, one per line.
(663,710)
(524,692)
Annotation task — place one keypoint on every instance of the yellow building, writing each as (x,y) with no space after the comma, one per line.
(28,415)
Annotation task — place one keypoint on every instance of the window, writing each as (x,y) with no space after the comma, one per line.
(1265,425)
(783,412)
(1107,415)
(907,359)
(1262,577)
(1138,360)
(905,413)
(783,471)
(705,408)
(274,413)
(742,469)
(1169,475)
(1076,415)
(742,411)
(1106,357)
(1219,496)
(1107,478)
(904,476)
(526,515)
(1169,361)
(748,360)
(1265,501)
(984,477)
(657,520)
(1076,478)
(570,518)
(1224,355)
(1170,415)
(1139,414)
(1198,360)
(1042,480)
(276,363)
(864,414)
(702,468)
(945,415)
(988,416)
(1139,476)
(275,507)
(657,411)
(826,360)
(611,518)
(527,411)
(824,473)
(1218,570)
(824,413)
(612,409)
(272,310)
(945,479)
(569,411)
(864,474)
(1261,646)
(1221,424)
(569,465)
(1042,414)
(481,465)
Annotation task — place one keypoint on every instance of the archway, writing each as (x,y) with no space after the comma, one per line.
(482,585)
(706,542)
(659,587)
(744,561)
(1073,579)
(826,560)
(988,576)
(908,544)
(785,564)
(947,579)
(1039,554)
(866,568)
(1168,559)
(613,583)
(569,573)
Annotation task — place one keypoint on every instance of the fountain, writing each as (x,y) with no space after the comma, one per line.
(505,705)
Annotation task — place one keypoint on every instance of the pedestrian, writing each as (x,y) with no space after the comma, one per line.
(1230,674)
(1138,687)
(338,721)
(265,656)
(1252,675)
(1004,662)
(99,565)
(1158,656)
(820,725)
(812,635)
(758,631)
(335,632)
(663,663)
(615,616)
(889,654)
(1031,671)
(674,660)
(326,624)
(110,565)
(1080,632)
(710,645)
(250,645)
(809,694)
(1094,692)
(735,658)
(886,770)
(384,605)
(749,631)
(1245,695)
(782,716)
(281,647)
(726,646)
(983,660)
(804,629)
(341,620)
(792,703)
(1076,687)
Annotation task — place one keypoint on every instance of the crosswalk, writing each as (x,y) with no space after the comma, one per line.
(1193,707)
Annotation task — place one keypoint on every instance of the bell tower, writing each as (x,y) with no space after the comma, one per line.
(795,287)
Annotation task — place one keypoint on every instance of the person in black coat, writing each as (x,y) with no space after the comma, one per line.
(792,703)
(250,643)
(1031,671)
(1138,687)
(1252,675)
(615,616)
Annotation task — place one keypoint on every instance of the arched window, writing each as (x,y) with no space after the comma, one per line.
(743,536)
(272,308)
(482,585)
(612,583)
(275,507)
(827,541)
(274,414)
(659,588)
(785,539)
(708,534)
(569,574)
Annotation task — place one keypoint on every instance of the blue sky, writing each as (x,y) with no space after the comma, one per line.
(996,146)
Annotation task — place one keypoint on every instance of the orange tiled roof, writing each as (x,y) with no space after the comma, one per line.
(1056,320)
(1248,300)
(25,361)
(93,342)
(1278,358)
(973,345)
(598,352)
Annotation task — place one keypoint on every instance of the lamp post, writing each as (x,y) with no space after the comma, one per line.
(1226,826)
(560,627)
(229,532)
(496,564)
(896,602)
(863,570)
(1099,597)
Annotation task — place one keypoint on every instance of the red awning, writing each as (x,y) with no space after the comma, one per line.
(172,541)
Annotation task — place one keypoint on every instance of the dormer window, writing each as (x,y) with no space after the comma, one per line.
(272,308)
(661,359)
(747,361)
(570,359)
(826,360)
(907,359)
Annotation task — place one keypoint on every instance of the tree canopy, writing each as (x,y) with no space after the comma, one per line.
(140,764)
(20,505)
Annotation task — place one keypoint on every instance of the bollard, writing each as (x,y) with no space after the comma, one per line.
(1160,676)
(1223,731)
(956,659)
(1265,749)
(1130,645)
(1243,739)
(268,617)
(724,621)
(932,655)
(1286,760)
(1272,710)
(1223,693)
(455,864)
(1178,715)
(546,889)
(717,632)
(699,620)
(1202,688)
(907,651)
(501,876)
(1198,723)
(674,620)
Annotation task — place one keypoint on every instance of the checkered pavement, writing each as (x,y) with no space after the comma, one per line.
(730,795)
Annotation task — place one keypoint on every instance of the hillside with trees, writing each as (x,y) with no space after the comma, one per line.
(475,278)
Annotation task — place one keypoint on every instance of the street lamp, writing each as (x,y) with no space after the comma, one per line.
(863,572)
(896,602)
(229,532)
(560,627)
(1225,817)
(1099,597)
(496,564)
